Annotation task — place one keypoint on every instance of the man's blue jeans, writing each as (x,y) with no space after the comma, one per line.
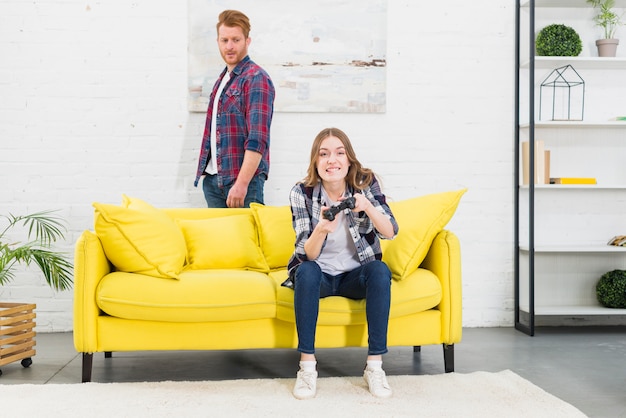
(216,197)
(371,282)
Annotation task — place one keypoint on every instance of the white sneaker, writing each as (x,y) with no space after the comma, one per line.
(306,385)
(377,382)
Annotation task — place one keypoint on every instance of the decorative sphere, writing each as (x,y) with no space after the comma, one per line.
(558,41)
(611,289)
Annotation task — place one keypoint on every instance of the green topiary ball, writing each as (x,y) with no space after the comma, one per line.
(611,289)
(558,41)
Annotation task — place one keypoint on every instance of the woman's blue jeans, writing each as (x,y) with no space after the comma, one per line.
(371,282)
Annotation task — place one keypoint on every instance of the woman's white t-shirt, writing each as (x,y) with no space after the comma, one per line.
(339,253)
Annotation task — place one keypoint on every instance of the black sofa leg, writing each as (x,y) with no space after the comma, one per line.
(87,365)
(448,357)
(108,354)
(417,348)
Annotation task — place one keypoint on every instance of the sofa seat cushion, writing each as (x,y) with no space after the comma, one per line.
(419,291)
(198,296)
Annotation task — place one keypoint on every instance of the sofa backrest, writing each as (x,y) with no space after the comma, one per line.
(274,230)
(204,213)
(258,238)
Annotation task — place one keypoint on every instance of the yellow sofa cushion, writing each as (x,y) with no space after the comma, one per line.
(199,296)
(140,238)
(419,292)
(223,243)
(276,234)
(420,219)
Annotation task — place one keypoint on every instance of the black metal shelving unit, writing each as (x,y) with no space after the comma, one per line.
(528,327)
(527,306)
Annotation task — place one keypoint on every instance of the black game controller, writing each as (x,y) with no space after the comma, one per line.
(330,213)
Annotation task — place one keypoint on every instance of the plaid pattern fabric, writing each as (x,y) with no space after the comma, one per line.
(306,205)
(245,113)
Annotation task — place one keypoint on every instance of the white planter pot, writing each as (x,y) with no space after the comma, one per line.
(607,47)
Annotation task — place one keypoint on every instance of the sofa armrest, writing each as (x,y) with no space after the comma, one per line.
(90,266)
(444,259)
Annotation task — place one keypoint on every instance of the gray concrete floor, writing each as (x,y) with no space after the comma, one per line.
(585,366)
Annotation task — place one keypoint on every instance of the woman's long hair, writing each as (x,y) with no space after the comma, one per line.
(358,177)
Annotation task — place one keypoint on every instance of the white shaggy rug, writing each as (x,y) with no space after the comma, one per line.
(478,394)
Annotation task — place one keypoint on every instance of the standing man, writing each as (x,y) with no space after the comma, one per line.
(234,156)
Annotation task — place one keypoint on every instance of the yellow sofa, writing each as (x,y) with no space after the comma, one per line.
(209,279)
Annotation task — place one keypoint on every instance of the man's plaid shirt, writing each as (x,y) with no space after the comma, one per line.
(243,122)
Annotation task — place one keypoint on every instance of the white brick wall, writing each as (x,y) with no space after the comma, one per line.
(93,105)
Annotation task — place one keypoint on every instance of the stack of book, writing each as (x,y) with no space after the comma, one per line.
(573,180)
(542,167)
(618,241)
(542,163)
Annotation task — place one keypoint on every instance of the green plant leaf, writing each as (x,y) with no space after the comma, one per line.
(43,230)
(606,18)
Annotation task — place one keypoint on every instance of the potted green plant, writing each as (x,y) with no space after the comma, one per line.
(43,230)
(609,20)
(17,319)
(611,289)
(558,40)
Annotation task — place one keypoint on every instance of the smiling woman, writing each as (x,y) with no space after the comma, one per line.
(340,255)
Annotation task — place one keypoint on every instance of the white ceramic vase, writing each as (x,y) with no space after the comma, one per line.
(607,47)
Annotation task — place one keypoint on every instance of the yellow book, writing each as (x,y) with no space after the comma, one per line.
(573,180)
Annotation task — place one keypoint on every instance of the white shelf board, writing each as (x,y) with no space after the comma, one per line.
(553,187)
(600,63)
(577,310)
(567,3)
(575,249)
(576,124)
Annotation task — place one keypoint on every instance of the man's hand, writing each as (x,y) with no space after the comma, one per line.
(236,196)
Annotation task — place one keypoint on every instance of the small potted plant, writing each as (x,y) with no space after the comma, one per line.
(611,289)
(17,319)
(558,40)
(609,20)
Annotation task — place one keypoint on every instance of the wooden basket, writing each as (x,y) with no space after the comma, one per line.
(17,333)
